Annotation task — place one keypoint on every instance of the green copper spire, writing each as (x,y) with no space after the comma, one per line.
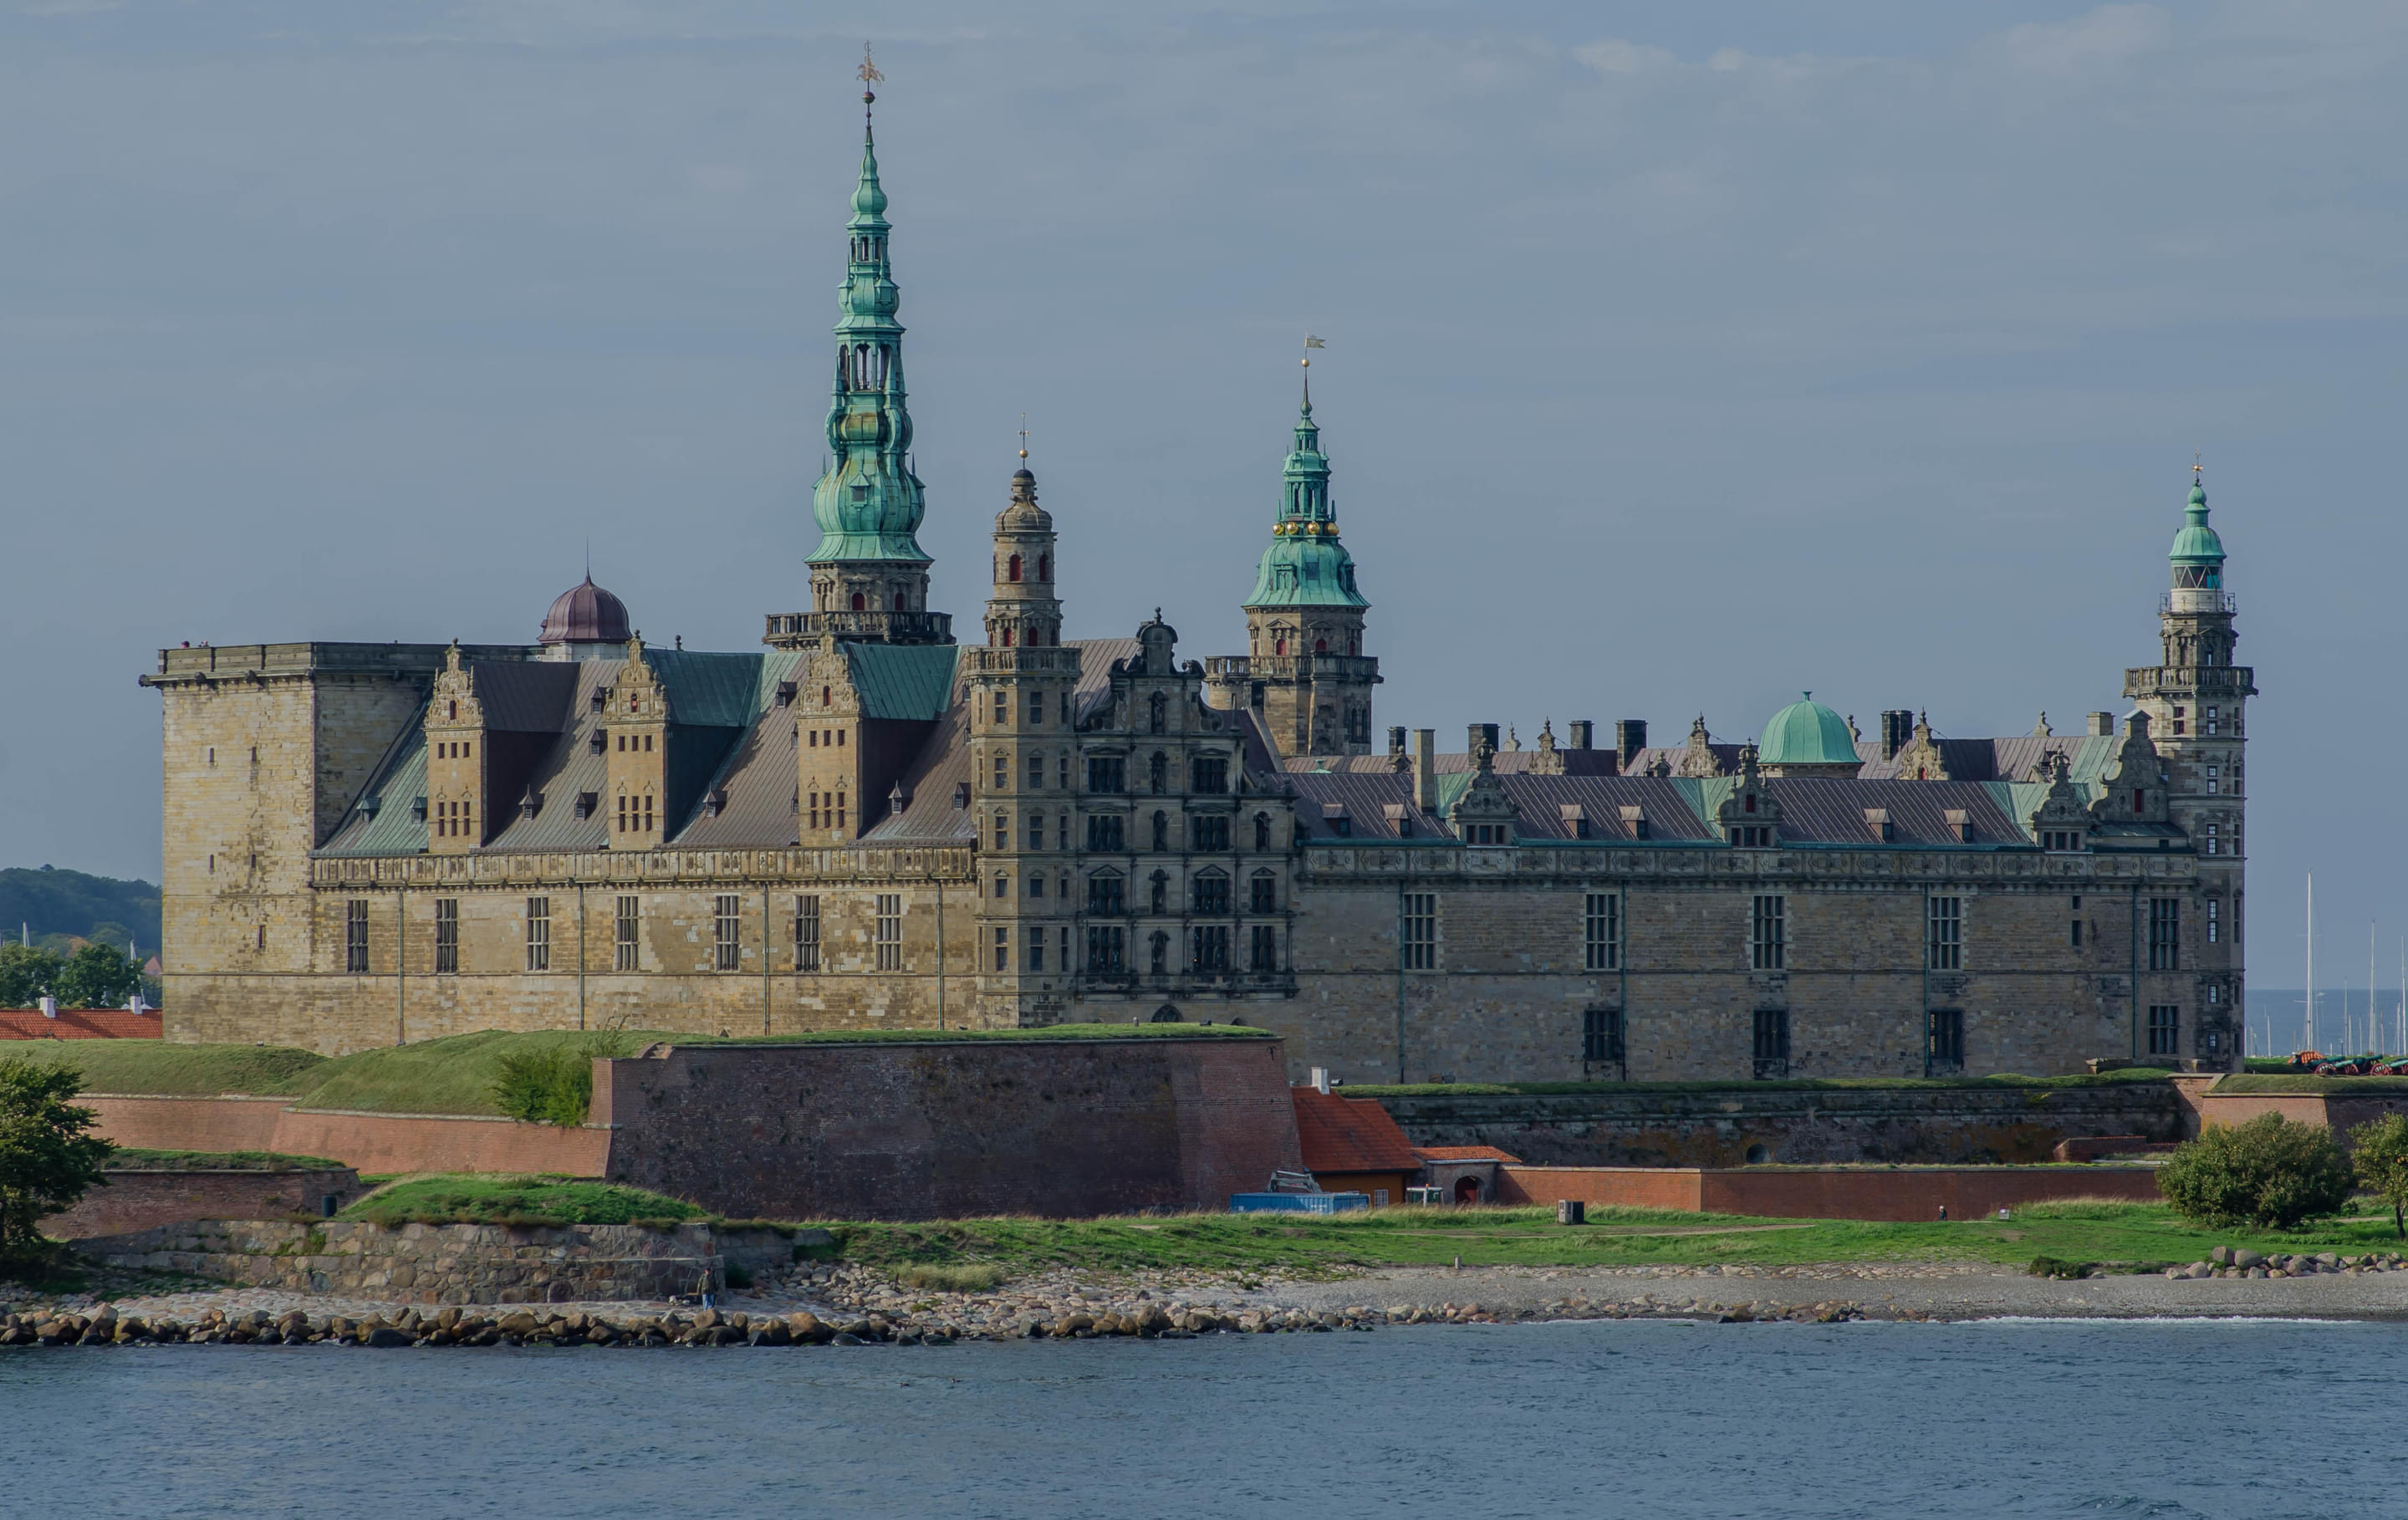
(869,505)
(1305,566)
(2198,553)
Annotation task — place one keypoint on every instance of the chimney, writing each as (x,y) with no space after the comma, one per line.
(1321,1079)
(1426,769)
(1395,742)
(50,1006)
(1629,737)
(2102,725)
(1584,734)
(1897,731)
(1477,735)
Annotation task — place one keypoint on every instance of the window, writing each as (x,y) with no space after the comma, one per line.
(1002,949)
(1208,773)
(889,931)
(2165,934)
(1752,835)
(1002,885)
(1943,1036)
(2211,840)
(355,935)
(1106,773)
(2061,838)
(1418,940)
(2210,781)
(1767,934)
(1262,892)
(1208,831)
(807,933)
(1106,948)
(1036,830)
(1003,710)
(1601,933)
(1943,934)
(446,936)
(2077,934)
(1211,892)
(1771,1042)
(1003,831)
(2165,1029)
(1601,1034)
(1033,958)
(1483,834)
(1263,948)
(2211,720)
(1002,772)
(1036,709)
(1036,883)
(727,915)
(1105,832)
(1208,947)
(1106,894)
(539,934)
(1036,773)
(622,934)
(1062,771)
(2215,924)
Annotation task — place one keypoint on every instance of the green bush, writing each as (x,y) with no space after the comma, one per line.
(47,1154)
(2379,1153)
(2269,1173)
(553,1084)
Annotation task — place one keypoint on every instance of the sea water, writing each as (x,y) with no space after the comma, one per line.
(2263,1420)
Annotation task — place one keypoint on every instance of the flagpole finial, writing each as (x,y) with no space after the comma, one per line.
(1023,436)
(869,75)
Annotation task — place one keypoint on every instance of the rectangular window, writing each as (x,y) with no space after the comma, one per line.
(2077,934)
(539,934)
(355,935)
(1036,708)
(1262,951)
(2165,1029)
(1772,1043)
(1601,1034)
(446,936)
(1003,710)
(1208,947)
(1106,773)
(807,933)
(889,933)
(1105,894)
(1003,949)
(2165,934)
(1767,934)
(1211,892)
(2215,924)
(1601,933)
(1036,830)
(1943,934)
(1211,832)
(1943,1036)
(1419,939)
(1002,831)
(1262,892)
(1033,958)
(1106,948)
(624,916)
(1105,832)
(1208,773)
(727,917)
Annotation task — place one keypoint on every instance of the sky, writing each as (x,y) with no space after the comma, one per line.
(1680,357)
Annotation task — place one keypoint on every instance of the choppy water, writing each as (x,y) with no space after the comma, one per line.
(1655,1420)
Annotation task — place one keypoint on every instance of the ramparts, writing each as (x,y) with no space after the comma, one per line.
(143,1198)
(1903,1193)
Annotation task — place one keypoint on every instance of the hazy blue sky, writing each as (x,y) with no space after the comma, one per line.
(1681,356)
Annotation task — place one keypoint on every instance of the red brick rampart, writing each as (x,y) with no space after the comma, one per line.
(373,1142)
(140,1200)
(1902,1194)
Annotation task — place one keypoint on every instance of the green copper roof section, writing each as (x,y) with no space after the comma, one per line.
(869,505)
(912,681)
(2196,544)
(1305,566)
(1807,733)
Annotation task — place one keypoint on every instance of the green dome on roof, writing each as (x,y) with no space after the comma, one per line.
(2195,542)
(1807,733)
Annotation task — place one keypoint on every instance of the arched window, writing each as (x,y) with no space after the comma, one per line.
(1007,637)
(1278,646)
(860,603)
(1157,775)
(1014,571)
(1320,646)
(902,604)
(1262,831)
(1161,833)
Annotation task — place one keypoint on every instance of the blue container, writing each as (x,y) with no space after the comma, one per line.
(1297,1203)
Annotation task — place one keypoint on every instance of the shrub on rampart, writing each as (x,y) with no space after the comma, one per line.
(2270,1173)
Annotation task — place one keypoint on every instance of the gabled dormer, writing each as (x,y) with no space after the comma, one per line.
(2135,784)
(1750,818)
(2061,823)
(1484,814)
(636,740)
(1920,759)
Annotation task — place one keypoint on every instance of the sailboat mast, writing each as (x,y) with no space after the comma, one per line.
(2310,1028)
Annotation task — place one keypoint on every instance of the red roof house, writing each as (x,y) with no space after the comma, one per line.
(1351,1145)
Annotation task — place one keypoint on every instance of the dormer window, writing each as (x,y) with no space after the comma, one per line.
(1750,837)
(1338,820)
(1400,819)
(786,694)
(1961,824)
(1485,834)
(1878,820)
(1576,819)
(1635,819)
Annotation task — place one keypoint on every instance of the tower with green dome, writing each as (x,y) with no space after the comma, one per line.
(1807,738)
(2195,703)
(1304,672)
(869,576)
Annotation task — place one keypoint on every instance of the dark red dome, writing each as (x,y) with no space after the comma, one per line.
(585,614)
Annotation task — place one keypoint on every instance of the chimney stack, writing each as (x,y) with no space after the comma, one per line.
(2102,725)
(1426,769)
(1629,737)
(1584,734)
(1897,731)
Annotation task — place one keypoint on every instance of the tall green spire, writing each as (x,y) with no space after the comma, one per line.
(1304,564)
(869,505)
(2198,553)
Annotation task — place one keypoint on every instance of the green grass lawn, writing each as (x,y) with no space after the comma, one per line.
(2311,1083)
(1802,1084)
(517,1200)
(132,1158)
(155,1066)
(2073,1231)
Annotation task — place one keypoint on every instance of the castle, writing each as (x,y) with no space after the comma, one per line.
(866,824)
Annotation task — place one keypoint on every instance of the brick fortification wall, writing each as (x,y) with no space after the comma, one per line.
(143,1199)
(373,1142)
(1904,1195)
(1717,1126)
(950,1129)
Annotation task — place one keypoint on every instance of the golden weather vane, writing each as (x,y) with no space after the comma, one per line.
(1023,435)
(869,71)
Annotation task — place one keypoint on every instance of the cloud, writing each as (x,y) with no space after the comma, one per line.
(2109,36)
(1612,55)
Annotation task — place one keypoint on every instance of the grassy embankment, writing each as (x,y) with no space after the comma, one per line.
(517,1200)
(134,1158)
(1800,1084)
(456,1074)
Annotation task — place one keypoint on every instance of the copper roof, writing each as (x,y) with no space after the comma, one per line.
(585,614)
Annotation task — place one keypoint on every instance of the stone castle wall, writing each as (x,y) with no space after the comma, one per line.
(140,1200)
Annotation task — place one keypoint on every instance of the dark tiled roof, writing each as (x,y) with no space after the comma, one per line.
(567,769)
(524,697)
(941,768)
(1096,657)
(1348,1134)
(757,779)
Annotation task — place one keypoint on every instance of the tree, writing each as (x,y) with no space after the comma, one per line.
(27,973)
(2379,1153)
(97,976)
(2269,1172)
(47,1154)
